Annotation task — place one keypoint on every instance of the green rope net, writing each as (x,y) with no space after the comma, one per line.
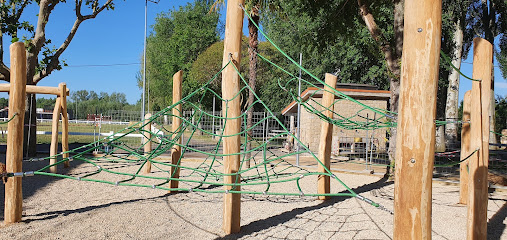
(262,166)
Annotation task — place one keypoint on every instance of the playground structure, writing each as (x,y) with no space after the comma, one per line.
(415,149)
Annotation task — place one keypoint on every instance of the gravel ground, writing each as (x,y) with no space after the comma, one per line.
(67,209)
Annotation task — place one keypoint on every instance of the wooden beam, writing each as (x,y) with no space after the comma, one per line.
(465,149)
(479,134)
(31,89)
(65,123)
(14,155)
(415,149)
(176,126)
(231,110)
(147,141)
(53,150)
(326,136)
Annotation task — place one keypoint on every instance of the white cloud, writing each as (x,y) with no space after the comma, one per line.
(500,85)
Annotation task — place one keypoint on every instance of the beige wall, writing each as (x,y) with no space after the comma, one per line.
(311,124)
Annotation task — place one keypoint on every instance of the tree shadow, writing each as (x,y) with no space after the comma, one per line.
(53,214)
(32,184)
(495,224)
(284,217)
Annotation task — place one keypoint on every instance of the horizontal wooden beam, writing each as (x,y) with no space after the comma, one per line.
(31,89)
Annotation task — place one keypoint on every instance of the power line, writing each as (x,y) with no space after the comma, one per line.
(98,65)
(105,65)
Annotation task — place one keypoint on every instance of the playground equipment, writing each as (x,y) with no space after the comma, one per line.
(61,92)
(416,123)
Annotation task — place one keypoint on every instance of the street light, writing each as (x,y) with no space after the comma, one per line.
(144,54)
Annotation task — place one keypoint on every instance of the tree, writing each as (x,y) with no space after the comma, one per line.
(209,63)
(42,59)
(488,19)
(455,12)
(178,37)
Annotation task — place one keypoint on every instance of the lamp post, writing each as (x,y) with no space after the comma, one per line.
(144,55)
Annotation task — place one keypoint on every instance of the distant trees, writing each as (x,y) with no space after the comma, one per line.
(83,103)
(42,57)
(178,37)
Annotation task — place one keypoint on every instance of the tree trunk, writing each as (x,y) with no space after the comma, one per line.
(451,106)
(252,52)
(392,57)
(489,23)
(30,129)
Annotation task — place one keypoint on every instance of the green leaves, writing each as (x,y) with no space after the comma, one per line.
(178,37)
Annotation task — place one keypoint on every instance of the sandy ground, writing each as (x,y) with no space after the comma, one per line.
(68,209)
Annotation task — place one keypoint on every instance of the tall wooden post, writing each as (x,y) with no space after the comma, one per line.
(54,135)
(65,123)
(14,154)
(326,136)
(176,125)
(147,141)
(465,149)
(231,110)
(479,134)
(415,149)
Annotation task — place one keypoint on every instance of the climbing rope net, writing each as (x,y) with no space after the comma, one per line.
(263,167)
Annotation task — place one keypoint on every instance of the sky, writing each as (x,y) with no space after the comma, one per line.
(106,52)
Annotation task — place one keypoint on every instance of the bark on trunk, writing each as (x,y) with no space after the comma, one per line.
(252,52)
(392,57)
(451,106)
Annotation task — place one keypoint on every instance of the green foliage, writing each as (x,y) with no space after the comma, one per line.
(332,38)
(46,103)
(500,114)
(4,102)
(209,63)
(178,37)
(84,103)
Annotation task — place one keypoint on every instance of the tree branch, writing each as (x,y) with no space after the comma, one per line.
(54,62)
(5,72)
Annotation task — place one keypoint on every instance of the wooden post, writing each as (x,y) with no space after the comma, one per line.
(14,154)
(176,125)
(479,134)
(326,136)
(231,111)
(465,149)
(65,123)
(415,149)
(53,150)
(147,139)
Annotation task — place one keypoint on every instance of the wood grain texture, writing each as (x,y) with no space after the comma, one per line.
(147,141)
(479,134)
(176,125)
(53,149)
(465,149)
(231,110)
(14,155)
(326,135)
(65,123)
(32,89)
(415,148)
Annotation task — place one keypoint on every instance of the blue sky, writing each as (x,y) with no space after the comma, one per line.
(116,37)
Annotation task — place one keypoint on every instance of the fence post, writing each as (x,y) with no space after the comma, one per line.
(415,149)
(326,135)
(14,155)
(479,134)
(231,106)
(53,150)
(65,123)
(147,143)
(465,149)
(176,127)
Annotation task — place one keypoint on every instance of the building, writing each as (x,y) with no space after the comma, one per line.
(343,139)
